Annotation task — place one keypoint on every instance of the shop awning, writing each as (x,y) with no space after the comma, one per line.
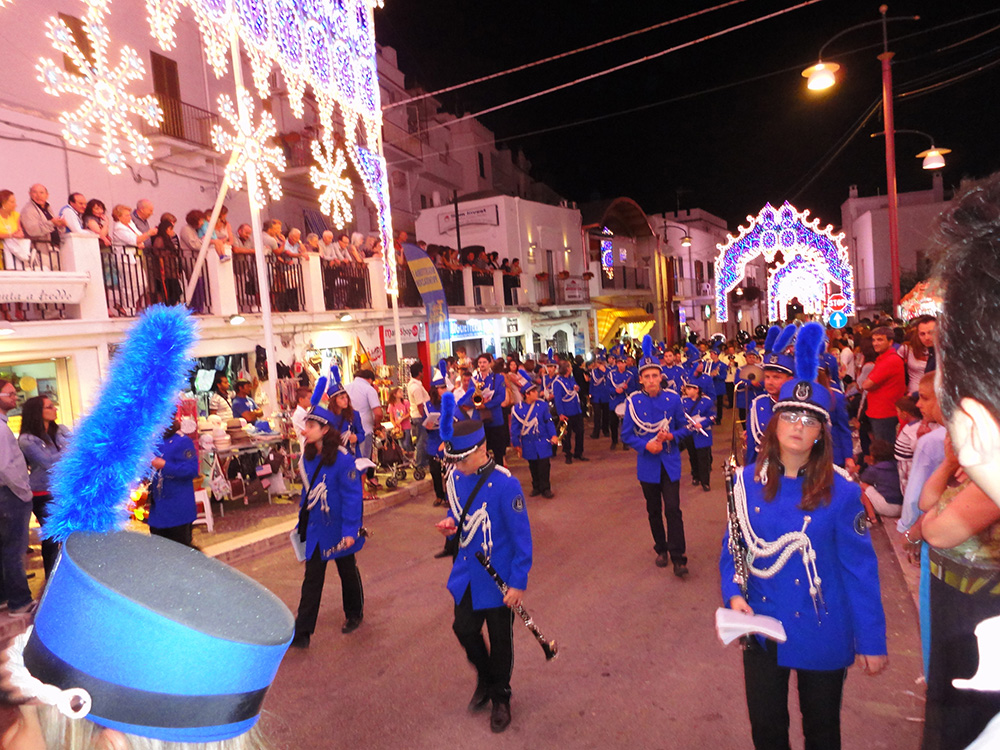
(611,319)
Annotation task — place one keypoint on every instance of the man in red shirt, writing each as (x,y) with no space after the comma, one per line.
(885,385)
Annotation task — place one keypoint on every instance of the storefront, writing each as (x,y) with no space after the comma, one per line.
(48,377)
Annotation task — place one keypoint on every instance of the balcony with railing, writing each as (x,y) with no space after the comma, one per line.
(183,122)
(402,140)
(873,298)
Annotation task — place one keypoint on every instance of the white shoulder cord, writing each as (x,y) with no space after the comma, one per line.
(756,429)
(642,427)
(480,517)
(570,394)
(787,544)
(73,703)
(529,424)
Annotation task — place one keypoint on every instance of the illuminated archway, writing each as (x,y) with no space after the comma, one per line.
(790,233)
(801,278)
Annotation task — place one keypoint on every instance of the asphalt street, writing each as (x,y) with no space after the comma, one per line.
(639,662)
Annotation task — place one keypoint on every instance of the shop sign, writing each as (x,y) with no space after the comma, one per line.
(411,334)
(512,326)
(471,329)
(42,287)
(483,215)
(573,289)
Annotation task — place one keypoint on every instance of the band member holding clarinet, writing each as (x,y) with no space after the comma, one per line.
(566,397)
(802,555)
(700,413)
(654,426)
(486,514)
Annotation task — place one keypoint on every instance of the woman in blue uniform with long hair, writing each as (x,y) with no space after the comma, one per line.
(347,421)
(803,555)
(329,521)
(172,507)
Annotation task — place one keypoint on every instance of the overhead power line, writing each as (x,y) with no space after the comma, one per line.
(560,56)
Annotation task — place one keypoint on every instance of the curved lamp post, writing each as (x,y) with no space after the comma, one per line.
(933,157)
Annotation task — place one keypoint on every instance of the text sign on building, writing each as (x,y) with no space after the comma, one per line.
(411,334)
(572,290)
(484,215)
(42,287)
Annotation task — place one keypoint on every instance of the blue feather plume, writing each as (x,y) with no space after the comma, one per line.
(808,346)
(443,368)
(114,443)
(772,336)
(692,351)
(785,338)
(647,347)
(446,426)
(318,392)
(751,346)
(551,355)
(333,384)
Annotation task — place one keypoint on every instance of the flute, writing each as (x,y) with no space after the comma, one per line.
(549,647)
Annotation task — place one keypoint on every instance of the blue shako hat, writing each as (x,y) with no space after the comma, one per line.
(693,356)
(648,360)
(751,348)
(458,439)
(527,387)
(334,385)
(151,637)
(167,642)
(772,336)
(775,359)
(803,391)
(318,413)
(441,374)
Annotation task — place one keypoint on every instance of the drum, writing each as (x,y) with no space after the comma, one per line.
(620,409)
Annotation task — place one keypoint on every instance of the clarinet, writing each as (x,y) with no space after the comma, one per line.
(549,647)
(737,543)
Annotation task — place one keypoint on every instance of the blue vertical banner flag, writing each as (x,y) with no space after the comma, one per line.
(425,276)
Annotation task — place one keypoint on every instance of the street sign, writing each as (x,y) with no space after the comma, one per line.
(837,303)
(837,319)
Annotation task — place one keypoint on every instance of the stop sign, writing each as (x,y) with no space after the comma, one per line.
(837,302)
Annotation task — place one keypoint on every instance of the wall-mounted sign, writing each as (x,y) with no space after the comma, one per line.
(411,334)
(484,215)
(42,287)
(572,290)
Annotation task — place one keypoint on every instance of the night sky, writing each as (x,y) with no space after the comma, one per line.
(759,136)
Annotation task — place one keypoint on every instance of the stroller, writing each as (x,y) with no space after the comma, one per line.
(391,460)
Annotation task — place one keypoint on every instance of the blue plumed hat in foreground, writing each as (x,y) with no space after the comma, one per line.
(804,391)
(335,386)
(317,412)
(135,632)
(458,439)
(776,359)
(648,360)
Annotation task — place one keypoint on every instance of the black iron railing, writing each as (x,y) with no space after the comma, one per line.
(44,257)
(135,278)
(284,280)
(346,286)
(873,297)
(184,122)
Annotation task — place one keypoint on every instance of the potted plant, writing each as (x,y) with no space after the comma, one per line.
(564,274)
(543,276)
(587,275)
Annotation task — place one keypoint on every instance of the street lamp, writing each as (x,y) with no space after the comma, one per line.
(822,76)
(933,157)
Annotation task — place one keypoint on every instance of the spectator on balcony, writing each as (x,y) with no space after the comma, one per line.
(37,220)
(311,243)
(95,220)
(125,233)
(356,249)
(128,241)
(72,212)
(293,248)
(164,266)
(505,267)
(224,229)
(515,268)
(217,241)
(190,245)
(10,219)
(243,242)
(140,220)
(492,261)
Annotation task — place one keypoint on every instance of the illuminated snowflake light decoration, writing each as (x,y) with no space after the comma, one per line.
(371,167)
(788,231)
(804,276)
(248,147)
(608,258)
(328,176)
(106,102)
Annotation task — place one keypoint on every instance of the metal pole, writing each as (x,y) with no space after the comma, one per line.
(458,229)
(890,161)
(200,261)
(263,287)
(399,333)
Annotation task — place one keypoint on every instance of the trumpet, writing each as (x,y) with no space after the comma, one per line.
(477,398)
(563,429)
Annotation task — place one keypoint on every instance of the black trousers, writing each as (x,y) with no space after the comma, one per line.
(663,499)
(743,415)
(730,391)
(312,590)
(615,421)
(602,420)
(575,431)
(540,474)
(437,477)
(718,408)
(820,693)
(496,441)
(50,550)
(180,534)
(495,665)
(701,462)
(953,718)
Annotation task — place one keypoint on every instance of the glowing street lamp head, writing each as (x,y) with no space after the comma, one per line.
(686,241)
(933,157)
(821,76)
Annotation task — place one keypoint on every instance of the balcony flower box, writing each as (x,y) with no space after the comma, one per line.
(564,274)
(587,275)
(543,276)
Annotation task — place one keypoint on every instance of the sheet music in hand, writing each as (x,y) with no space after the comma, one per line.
(730,625)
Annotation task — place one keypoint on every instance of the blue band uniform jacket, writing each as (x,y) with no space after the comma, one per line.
(625,380)
(348,428)
(494,383)
(336,506)
(171,492)
(664,409)
(566,397)
(702,411)
(599,385)
(852,620)
(746,391)
(497,525)
(531,429)
(717,371)
(673,377)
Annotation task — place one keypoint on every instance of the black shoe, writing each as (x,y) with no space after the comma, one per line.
(581,458)
(694,482)
(479,698)
(439,501)
(594,436)
(442,553)
(301,640)
(680,569)
(548,494)
(352,624)
(500,718)
(706,488)
(569,459)
(662,560)
(614,445)
(534,493)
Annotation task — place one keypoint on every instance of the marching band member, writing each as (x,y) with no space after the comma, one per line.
(747,390)
(490,413)
(533,435)
(840,426)
(621,383)
(673,373)
(654,425)
(717,371)
(346,421)
(700,413)
(804,557)
(330,516)
(599,397)
(438,387)
(566,396)
(548,379)
(487,513)
(778,370)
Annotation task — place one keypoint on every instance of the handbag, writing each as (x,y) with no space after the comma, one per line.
(221,488)
(20,248)
(451,545)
